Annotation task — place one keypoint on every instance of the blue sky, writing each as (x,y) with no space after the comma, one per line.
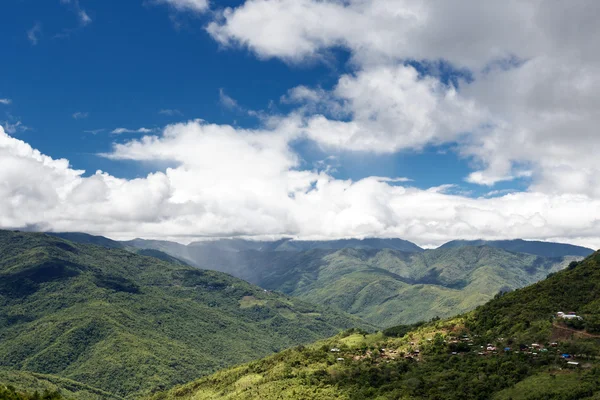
(264,118)
(124,67)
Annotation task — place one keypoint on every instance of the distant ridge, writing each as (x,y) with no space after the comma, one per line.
(538,248)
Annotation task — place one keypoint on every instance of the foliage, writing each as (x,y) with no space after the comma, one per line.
(130,324)
(10,393)
(486,354)
(388,287)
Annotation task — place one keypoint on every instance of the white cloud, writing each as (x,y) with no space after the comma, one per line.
(530,110)
(187,5)
(82,15)
(34,34)
(171,112)
(225,182)
(80,115)
(119,131)
(227,101)
(14,125)
(5,101)
(386,109)
(84,18)
(94,131)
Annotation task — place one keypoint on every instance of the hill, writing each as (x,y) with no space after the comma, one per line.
(205,253)
(85,238)
(544,249)
(374,280)
(128,324)
(513,347)
(388,287)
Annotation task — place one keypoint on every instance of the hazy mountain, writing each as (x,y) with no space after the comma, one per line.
(544,249)
(383,286)
(206,253)
(486,354)
(128,324)
(388,287)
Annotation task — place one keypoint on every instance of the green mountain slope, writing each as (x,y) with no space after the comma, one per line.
(129,324)
(388,287)
(544,249)
(53,386)
(384,286)
(513,347)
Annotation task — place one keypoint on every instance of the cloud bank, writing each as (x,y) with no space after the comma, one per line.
(227,182)
(513,87)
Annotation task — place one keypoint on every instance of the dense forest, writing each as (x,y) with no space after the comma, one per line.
(129,324)
(514,347)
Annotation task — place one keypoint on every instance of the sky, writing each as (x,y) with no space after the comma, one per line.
(314,119)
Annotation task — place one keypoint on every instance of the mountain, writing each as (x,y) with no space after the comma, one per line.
(388,287)
(383,286)
(513,347)
(544,249)
(129,324)
(365,244)
(85,238)
(208,253)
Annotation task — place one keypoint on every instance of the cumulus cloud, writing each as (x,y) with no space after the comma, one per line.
(521,101)
(386,109)
(5,101)
(528,109)
(118,131)
(229,182)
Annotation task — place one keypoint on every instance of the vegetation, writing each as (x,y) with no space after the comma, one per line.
(10,393)
(544,249)
(129,324)
(384,281)
(511,348)
(388,287)
(50,385)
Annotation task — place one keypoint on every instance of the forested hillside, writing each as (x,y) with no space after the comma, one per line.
(388,287)
(372,278)
(128,324)
(544,249)
(514,347)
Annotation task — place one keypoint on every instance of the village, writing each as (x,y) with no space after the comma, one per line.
(465,344)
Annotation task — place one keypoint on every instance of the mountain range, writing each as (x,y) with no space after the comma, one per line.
(512,348)
(128,324)
(383,281)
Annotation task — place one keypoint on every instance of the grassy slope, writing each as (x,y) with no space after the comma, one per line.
(128,324)
(367,372)
(41,383)
(389,287)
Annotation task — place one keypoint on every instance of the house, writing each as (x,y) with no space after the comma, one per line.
(335,350)
(565,356)
(570,315)
(573,363)
(340,359)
